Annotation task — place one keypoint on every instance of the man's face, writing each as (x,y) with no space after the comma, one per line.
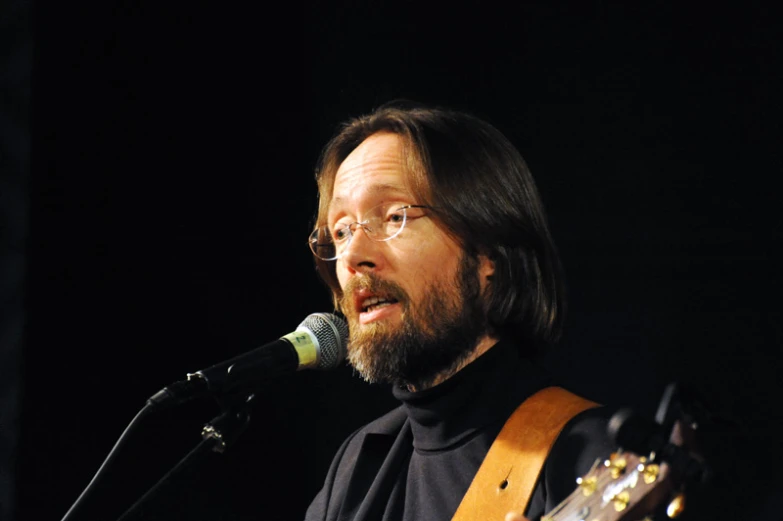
(429,317)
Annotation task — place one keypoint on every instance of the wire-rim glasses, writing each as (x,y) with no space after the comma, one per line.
(381,223)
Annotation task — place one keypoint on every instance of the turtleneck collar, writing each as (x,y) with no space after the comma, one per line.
(480,396)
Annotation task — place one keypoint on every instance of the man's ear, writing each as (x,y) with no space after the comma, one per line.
(486,269)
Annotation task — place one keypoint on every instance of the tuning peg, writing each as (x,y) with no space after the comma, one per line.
(676,506)
(649,471)
(616,465)
(621,500)
(587,485)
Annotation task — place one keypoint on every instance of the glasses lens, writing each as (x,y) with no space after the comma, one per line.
(385,221)
(381,223)
(322,245)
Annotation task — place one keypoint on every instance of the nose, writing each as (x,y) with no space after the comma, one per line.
(361,254)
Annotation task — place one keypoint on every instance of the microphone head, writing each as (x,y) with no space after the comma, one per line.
(331,332)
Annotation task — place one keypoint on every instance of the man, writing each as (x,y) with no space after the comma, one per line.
(433,239)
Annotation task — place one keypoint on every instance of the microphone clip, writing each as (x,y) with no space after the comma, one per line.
(226,428)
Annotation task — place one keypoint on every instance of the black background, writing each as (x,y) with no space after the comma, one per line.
(171,191)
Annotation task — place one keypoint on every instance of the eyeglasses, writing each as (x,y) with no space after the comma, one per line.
(381,223)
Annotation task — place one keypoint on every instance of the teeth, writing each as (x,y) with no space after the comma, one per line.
(372,301)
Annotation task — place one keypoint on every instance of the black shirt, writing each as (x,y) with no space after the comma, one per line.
(416,462)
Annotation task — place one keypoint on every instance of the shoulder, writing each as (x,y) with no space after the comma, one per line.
(583,441)
(381,432)
(365,449)
(585,435)
(390,423)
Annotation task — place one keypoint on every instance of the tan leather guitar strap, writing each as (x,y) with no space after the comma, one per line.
(510,470)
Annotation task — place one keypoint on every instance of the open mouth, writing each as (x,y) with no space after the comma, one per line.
(374,303)
(372,300)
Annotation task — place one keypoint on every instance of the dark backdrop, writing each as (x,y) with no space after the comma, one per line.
(171,192)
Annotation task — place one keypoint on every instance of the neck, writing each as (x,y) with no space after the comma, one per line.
(483,345)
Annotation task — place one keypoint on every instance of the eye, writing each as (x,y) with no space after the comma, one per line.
(341,232)
(396,216)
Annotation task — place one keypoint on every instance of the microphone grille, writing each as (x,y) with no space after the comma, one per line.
(331,332)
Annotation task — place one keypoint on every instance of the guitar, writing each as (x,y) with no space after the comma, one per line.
(629,486)
(624,487)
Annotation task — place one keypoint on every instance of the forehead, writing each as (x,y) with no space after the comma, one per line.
(376,168)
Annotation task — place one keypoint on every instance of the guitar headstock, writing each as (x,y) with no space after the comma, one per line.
(634,486)
(625,487)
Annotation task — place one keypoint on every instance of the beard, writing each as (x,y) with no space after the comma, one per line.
(433,338)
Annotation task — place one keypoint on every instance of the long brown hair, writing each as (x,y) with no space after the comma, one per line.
(483,195)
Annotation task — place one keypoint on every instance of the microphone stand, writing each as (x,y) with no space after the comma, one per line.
(217,434)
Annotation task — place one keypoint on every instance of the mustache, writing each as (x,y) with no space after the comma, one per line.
(374,285)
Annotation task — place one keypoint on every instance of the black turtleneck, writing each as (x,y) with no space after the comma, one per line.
(416,462)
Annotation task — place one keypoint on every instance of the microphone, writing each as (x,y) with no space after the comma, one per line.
(319,342)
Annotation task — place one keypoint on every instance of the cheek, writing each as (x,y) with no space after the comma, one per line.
(436,259)
(428,266)
(342,273)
